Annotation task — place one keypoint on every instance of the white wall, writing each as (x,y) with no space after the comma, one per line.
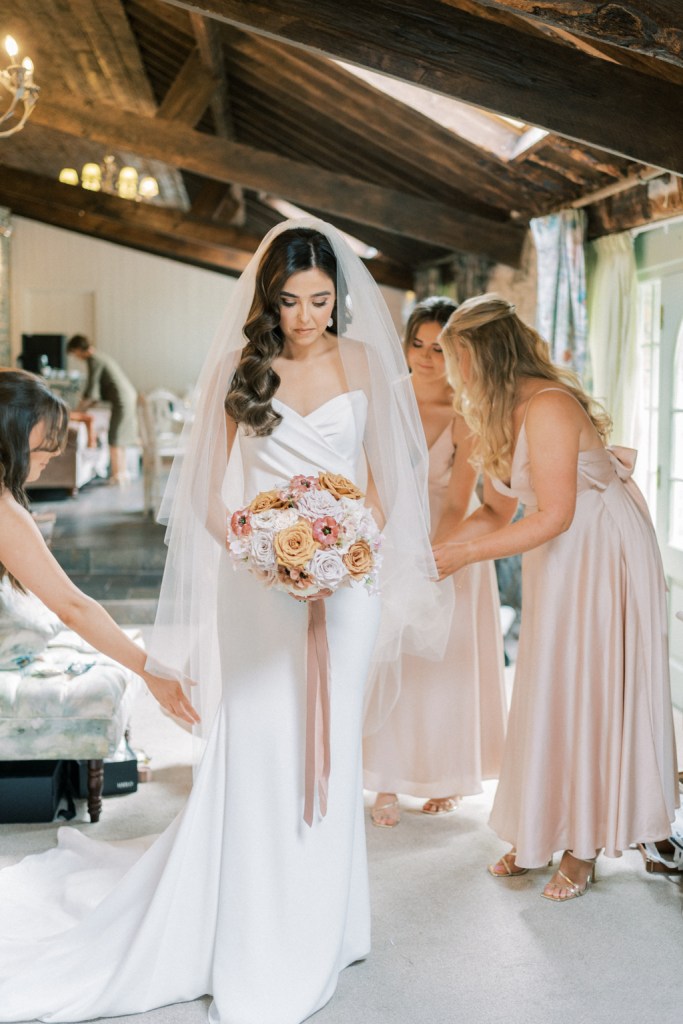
(155,316)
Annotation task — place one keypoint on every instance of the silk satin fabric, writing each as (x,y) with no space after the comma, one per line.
(238,898)
(589,761)
(447,730)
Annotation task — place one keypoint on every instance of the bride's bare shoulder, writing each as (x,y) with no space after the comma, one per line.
(354,355)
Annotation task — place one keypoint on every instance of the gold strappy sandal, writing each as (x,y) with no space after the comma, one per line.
(509,868)
(574,890)
(441,805)
(393,805)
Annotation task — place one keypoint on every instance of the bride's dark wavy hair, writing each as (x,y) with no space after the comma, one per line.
(255,382)
(24,402)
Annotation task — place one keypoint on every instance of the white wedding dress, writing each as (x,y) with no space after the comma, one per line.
(238,898)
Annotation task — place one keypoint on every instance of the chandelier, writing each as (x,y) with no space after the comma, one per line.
(17,79)
(110,178)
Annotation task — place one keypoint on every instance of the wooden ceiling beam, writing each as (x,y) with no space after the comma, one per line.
(652,27)
(99,44)
(403,134)
(161,219)
(190,93)
(122,232)
(304,184)
(210,48)
(442,48)
(653,201)
(146,226)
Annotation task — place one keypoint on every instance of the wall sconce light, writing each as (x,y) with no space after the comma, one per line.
(107,177)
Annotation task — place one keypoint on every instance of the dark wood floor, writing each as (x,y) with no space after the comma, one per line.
(110,549)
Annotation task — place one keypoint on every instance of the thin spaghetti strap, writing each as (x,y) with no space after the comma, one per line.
(542,392)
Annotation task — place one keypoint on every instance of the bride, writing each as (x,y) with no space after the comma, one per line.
(240,897)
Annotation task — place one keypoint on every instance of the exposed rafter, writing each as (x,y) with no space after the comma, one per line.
(190,93)
(364,203)
(439,46)
(393,130)
(143,226)
(653,27)
(209,45)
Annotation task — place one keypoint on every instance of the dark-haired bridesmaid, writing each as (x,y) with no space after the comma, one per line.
(445,734)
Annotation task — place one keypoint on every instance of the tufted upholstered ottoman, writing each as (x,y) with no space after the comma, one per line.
(70,703)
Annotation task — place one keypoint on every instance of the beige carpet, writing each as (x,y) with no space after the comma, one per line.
(451,944)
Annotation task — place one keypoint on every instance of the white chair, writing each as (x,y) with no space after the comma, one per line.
(160,419)
(167,412)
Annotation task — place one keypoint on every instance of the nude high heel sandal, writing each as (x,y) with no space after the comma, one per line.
(573,889)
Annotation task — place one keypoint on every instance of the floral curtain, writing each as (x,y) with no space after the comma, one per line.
(612,298)
(561,305)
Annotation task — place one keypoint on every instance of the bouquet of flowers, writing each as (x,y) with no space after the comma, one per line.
(313,534)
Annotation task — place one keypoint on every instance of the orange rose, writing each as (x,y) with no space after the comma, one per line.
(295,545)
(359,559)
(339,486)
(267,500)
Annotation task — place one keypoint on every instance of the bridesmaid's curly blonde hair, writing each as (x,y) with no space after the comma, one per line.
(502,350)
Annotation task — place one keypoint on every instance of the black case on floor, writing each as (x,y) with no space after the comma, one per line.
(120,774)
(30,791)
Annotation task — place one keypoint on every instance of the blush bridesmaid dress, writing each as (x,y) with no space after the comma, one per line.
(590,759)
(446,732)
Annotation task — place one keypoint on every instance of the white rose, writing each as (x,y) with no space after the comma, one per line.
(350,526)
(239,547)
(262,549)
(274,519)
(328,568)
(368,526)
(351,504)
(317,504)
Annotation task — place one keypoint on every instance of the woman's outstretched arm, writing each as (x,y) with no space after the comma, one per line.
(25,555)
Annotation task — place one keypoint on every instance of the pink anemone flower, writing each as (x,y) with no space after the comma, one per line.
(303,483)
(241,523)
(326,531)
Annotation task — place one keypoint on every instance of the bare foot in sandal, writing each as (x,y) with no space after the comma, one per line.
(386,813)
(441,805)
(505,866)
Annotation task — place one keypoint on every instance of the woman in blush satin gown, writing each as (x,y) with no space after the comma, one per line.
(246,896)
(589,761)
(446,732)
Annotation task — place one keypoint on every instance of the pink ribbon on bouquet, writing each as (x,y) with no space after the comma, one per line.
(317,773)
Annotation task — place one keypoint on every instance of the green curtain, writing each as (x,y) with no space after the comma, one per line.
(612,296)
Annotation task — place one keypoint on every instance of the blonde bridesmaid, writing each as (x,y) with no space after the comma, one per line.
(589,762)
(446,732)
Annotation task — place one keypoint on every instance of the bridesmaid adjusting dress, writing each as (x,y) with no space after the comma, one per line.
(589,762)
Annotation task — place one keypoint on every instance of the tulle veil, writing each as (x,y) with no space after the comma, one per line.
(201,488)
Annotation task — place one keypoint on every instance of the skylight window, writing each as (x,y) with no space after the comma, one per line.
(506,137)
(363,251)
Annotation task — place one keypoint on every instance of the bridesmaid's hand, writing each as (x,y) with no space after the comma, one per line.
(450,557)
(171,696)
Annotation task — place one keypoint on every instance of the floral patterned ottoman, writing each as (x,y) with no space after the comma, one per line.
(67,703)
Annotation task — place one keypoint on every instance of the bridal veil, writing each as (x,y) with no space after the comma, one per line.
(202,487)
